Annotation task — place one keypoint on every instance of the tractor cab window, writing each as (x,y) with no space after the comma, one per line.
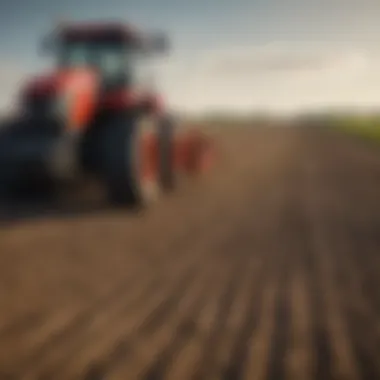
(112,60)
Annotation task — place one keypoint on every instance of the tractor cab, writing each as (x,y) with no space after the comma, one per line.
(115,51)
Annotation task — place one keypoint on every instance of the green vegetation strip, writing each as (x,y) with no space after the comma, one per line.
(363,126)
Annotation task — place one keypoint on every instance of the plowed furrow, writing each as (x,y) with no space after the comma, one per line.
(268,269)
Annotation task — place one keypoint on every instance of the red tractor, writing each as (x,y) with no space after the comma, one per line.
(90,117)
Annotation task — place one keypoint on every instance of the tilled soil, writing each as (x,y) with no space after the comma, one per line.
(267,269)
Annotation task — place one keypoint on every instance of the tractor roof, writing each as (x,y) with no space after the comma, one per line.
(113,31)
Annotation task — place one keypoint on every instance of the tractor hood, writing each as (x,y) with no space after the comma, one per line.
(74,90)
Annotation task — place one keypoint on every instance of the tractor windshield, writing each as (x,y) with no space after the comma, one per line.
(111,59)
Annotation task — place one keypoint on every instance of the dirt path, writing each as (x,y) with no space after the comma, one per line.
(269,269)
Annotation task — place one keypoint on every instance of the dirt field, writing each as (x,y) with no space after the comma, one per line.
(269,269)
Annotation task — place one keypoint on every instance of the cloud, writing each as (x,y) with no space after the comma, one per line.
(284,62)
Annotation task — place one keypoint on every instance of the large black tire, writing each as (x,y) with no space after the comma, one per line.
(18,175)
(119,163)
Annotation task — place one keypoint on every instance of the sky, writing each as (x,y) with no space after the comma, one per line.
(238,55)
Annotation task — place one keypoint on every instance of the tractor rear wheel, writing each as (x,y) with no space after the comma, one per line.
(129,162)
